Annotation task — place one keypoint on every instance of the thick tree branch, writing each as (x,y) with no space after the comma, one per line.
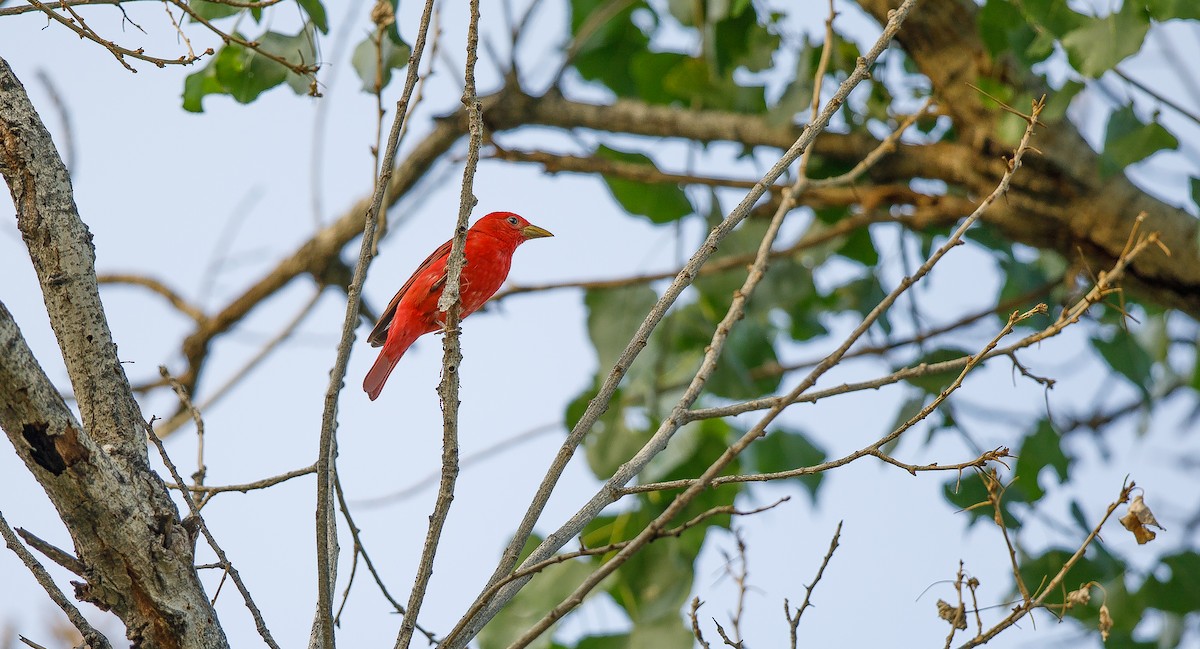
(126,530)
(1079,210)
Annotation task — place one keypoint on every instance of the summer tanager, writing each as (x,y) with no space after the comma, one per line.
(413,312)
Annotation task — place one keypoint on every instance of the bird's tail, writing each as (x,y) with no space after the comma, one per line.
(373,383)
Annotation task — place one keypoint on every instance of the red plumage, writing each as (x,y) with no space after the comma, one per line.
(413,312)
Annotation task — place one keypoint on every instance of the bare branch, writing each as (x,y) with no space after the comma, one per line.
(794,620)
(172,296)
(475,618)
(450,304)
(361,549)
(92,638)
(198,520)
(248,486)
(54,553)
(322,637)
(1028,605)
(108,477)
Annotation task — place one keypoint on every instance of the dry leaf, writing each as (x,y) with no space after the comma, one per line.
(1105,622)
(1138,507)
(1079,597)
(956,616)
(1137,519)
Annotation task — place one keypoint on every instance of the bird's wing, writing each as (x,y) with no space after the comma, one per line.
(379,333)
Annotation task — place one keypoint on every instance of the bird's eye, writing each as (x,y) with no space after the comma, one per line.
(512,220)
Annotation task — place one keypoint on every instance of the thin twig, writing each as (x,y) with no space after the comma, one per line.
(473,620)
(602,550)
(170,295)
(794,621)
(659,440)
(740,577)
(326,525)
(302,69)
(692,614)
(195,515)
(247,486)
(182,395)
(359,548)
(76,24)
(1022,609)
(1159,97)
(995,491)
(52,552)
(1104,285)
(450,304)
(92,638)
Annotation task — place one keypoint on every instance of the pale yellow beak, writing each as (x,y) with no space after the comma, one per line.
(534,232)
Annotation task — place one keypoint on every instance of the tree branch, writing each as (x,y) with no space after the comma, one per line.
(96,474)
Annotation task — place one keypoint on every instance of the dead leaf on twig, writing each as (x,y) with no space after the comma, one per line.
(1137,520)
(954,615)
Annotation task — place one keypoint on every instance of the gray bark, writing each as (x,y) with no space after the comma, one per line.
(136,553)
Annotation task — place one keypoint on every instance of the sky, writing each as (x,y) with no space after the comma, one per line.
(209,202)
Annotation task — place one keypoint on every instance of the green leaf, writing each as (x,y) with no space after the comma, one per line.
(198,85)
(647,70)
(1196,374)
(1123,353)
(861,295)
(212,10)
(749,347)
(1164,10)
(606,55)
(664,633)
(1099,44)
(615,641)
(1127,140)
(316,12)
(908,409)
(1059,101)
(1038,451)
(1055,16)
(693,447)
(705,443)
(1003,28)
(367,56)
(1022,279)
(547,589)
(611,441)
(797,96)
(858,246)
(1040,569)
(787,284)
(740,41)
(694,84)
(805,316)
(1195,184)
(934,383)
(654,583)
(784,450)
(613,316)
(1180,593)
(244,74)
(297,50)
(659,202)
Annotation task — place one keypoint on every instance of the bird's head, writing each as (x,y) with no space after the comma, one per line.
(509,226)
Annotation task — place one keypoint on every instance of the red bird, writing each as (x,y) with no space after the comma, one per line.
(413,312)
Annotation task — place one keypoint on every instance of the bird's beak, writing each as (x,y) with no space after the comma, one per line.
(534,232)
